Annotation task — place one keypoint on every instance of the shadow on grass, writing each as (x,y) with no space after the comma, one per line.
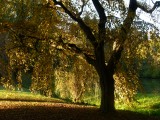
(156,106)
(60,111)
(155,109)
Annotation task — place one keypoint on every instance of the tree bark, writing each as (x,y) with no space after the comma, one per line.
(105,73)
(107,91)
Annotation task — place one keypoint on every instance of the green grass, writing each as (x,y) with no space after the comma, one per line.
(147,104)
(25,96)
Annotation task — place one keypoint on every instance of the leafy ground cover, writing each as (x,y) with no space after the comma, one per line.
(61,111)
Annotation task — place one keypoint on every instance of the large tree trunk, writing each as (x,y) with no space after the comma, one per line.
(107,92)
(105,73)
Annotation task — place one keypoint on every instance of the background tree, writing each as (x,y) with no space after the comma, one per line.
(29,43)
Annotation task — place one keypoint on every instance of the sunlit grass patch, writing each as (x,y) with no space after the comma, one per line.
(147,104)
(25,96)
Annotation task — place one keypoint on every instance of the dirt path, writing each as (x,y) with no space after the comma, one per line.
(60,111)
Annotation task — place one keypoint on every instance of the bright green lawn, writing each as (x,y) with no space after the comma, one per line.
(147,104)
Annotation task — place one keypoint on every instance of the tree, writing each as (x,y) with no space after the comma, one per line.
(104,67)
(28,46)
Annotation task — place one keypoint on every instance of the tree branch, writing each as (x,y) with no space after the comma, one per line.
(146,9)
(65,9)
(88,58)
(87,30)
(100,10)
(125,28)
(73,48)
(102,16)
(82,8)
(99,50)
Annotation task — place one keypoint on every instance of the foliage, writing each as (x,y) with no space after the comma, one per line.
(29,45)
(150,62)
(42,40)
(72,81)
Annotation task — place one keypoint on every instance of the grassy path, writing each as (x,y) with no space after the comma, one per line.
(61,111)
